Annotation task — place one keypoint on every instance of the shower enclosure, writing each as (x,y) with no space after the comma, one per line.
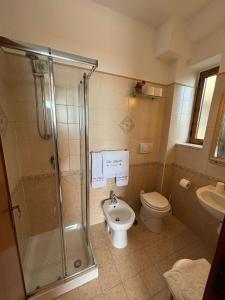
(44,132)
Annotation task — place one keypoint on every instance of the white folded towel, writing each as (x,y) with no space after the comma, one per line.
(187,279)
(98,180)
(115,163)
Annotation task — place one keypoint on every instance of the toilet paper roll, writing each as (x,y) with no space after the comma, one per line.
(184,183)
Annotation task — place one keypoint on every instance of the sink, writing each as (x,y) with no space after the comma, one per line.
(212,201)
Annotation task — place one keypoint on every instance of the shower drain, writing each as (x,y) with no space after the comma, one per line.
(77,263)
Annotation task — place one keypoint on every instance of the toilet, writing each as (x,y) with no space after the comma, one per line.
(119,217)
(154,208)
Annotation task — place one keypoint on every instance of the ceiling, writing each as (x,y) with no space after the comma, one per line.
(202,17)
(156,12)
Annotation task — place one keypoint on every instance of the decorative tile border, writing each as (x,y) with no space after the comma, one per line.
(70,173)
(37,176)
(149,164)
(193,172)
(41,176)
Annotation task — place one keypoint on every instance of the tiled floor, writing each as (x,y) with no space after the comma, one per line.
(135,272)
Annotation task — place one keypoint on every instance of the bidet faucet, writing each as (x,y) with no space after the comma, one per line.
(113,197)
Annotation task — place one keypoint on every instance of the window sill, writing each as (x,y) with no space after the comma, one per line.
(189,145)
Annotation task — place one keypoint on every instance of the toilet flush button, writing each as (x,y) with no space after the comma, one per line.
(145,148)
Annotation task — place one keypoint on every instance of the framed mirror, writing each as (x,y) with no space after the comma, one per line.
(217,153)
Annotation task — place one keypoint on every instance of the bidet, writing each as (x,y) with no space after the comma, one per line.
(119,217)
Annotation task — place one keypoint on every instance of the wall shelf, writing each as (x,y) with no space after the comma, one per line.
(146,96)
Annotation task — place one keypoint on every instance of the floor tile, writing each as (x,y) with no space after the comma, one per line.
(166,264)
(116,293)
(136,289)
(160,250)
(125,267)
(117,253)
(163,295)
(90,290)
(153,280)
(108,277)
(140,260)
(98,237)
(103,256)
(135,272)
(100,297)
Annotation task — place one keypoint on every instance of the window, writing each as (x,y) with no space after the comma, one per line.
(204,94)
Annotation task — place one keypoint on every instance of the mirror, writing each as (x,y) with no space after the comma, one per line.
(217,153)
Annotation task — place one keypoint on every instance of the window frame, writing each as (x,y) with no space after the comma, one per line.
(198,104)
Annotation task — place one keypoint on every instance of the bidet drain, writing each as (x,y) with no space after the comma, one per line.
(117,219)
(77,263)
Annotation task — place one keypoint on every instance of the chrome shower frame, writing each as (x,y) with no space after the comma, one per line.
(52,54)
(49,52)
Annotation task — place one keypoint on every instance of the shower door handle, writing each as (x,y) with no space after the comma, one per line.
(16,207)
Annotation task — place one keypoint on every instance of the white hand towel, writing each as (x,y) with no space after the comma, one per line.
(98,180)
(115,163)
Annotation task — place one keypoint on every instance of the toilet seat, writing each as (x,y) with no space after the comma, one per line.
(156,201)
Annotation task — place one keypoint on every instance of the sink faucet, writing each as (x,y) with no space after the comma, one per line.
(113,197)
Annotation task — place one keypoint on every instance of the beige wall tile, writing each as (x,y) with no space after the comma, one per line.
(63,131)
(74,133)
(41,199)
(73,114)
(187,208)
(71,193)
(61,113)
(60,94)
(74,147)
(74,162)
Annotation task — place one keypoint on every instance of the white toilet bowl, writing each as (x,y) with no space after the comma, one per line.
(120,217)
(154,207)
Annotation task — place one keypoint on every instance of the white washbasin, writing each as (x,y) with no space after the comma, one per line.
(212,201)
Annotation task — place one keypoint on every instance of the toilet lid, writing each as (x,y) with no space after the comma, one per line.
(156,200)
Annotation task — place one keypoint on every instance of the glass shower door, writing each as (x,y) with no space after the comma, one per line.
(69,98)
(29,147)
